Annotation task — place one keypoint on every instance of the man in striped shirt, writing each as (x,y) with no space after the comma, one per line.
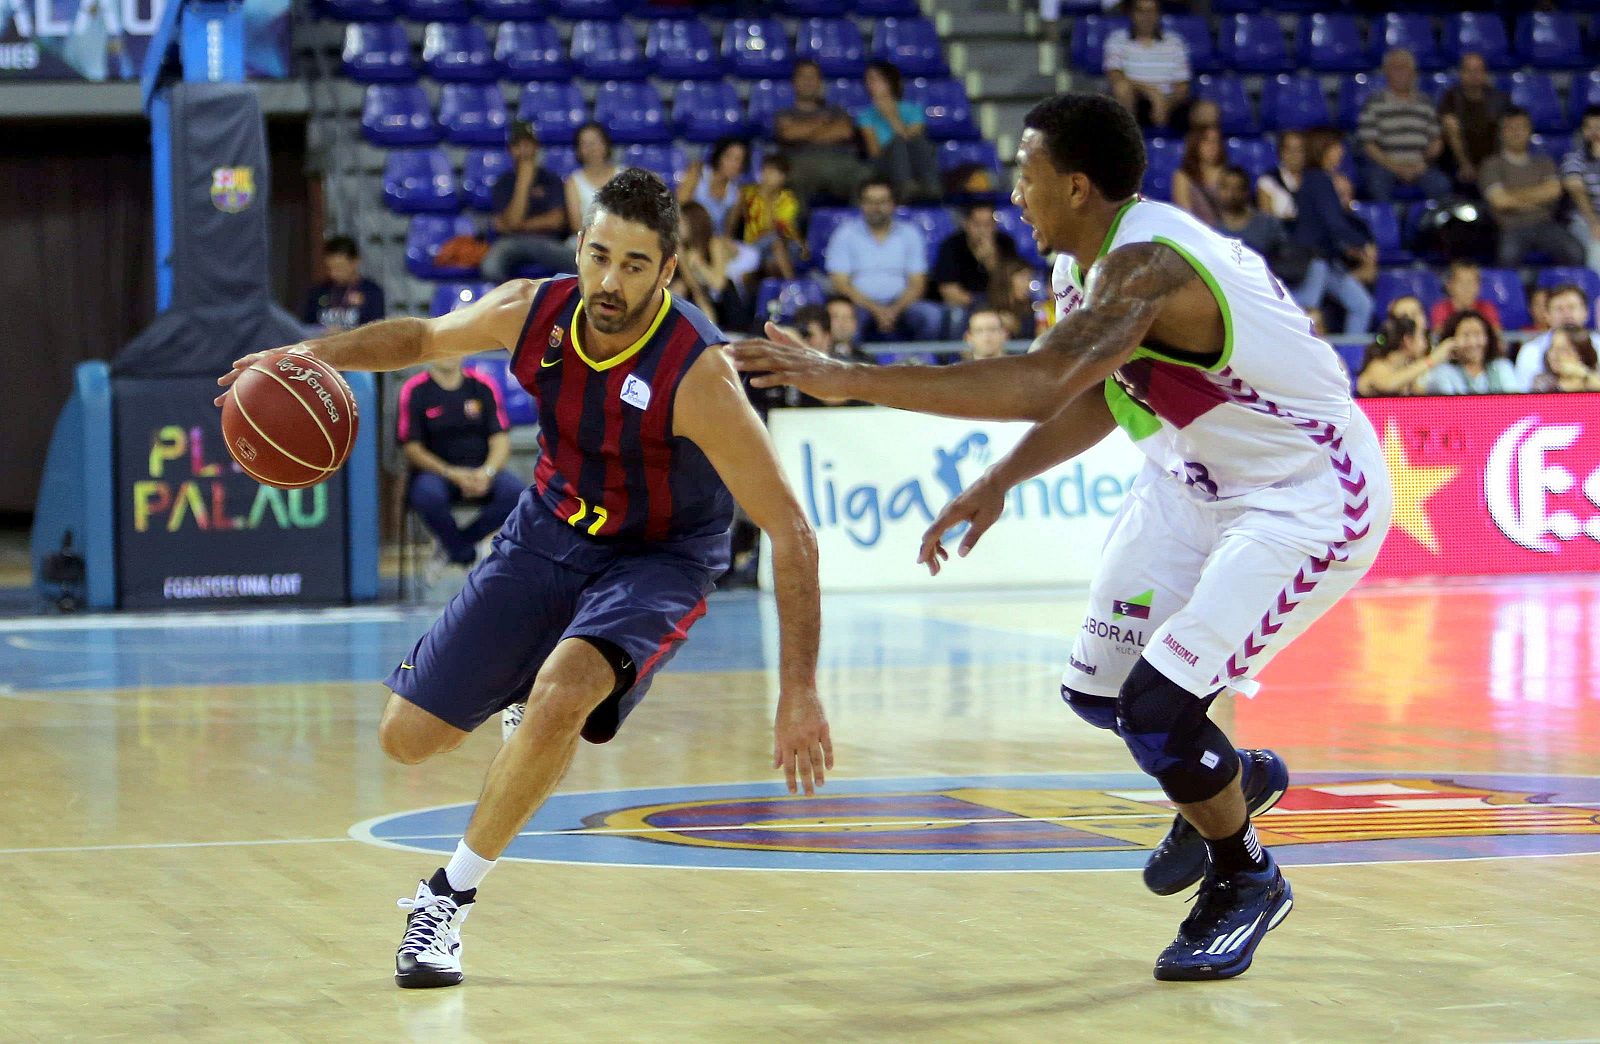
(1400,134)
(1580,175)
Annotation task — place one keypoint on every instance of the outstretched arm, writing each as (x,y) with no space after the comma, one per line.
(712,412)
(1127,290)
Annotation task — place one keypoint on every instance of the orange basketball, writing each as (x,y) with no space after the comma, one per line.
(290,420)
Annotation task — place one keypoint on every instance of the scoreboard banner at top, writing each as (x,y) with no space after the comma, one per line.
(99,40)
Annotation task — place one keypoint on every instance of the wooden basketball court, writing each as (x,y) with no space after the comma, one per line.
(180,864)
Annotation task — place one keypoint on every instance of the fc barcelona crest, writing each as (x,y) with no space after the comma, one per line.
(556,334)
(232,188)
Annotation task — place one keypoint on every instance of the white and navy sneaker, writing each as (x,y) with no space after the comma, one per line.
(1231,916)
(510,718)
(430,953)
(1180,859)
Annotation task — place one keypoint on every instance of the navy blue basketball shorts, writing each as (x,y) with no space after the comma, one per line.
(485,650)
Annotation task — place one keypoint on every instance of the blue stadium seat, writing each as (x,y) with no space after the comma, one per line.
(1503,287)
(479,170)
(1334,42)
(1254,43)
(814,8)
(435,10)
(683,49)
(473,113)
(1162,156)
(447,297)
(670,161)
(886,8)
(1554,145)
(1089,34)
(428,233)
(944,102)
(1385,225)
(420,181)
(1009,219)
(606,50)
(378,52)
(1587,278)
(398,114)
(935,223)
(849,93)
(822,222)
(1255,155)
(953,154)
(631,112)
(358,10)
(1293,101)
(1402,282)
(1196,33)
(531,51)
(511,10)
(704,110)
(833,43)
(779,299)
(758,48)
(458,51)
(1549,40)
(1238,115)
(767,99)
(1536,92)
(912,44)
(610,10)
(1480,31)
(556,110)
(1415,33)
(560,159)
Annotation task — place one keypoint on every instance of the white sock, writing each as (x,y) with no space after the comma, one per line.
(466,868)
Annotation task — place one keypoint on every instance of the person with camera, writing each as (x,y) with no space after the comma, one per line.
(1399,361)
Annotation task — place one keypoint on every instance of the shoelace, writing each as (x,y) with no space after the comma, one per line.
(1212,899)
(427,928)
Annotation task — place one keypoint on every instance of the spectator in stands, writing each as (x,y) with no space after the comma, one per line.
(1523,189)
(844,327)
(986,334)
(453,431)
(1399,360)
(345,299)
(710,267)
(1539,309)
(530,214)
(1567,306)
(1400,134)
(1340,243)
(969,258)
(881,265)
(818,139)
(1462,284)
(1194,184)
(1149,69)
(811,323)
(1470,114)
(1364,263)
(1275,190)
(1261,232)
(1011,294)
(768,219)
(894,132)
(1203,112)
(592,146)
(1580,173)
(1407,306)
(718,190)
(1477,364)
(1570,363)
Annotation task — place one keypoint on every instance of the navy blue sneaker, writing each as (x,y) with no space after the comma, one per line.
(1180,859)
(1230,918)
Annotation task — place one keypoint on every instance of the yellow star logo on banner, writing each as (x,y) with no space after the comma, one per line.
(1413,485)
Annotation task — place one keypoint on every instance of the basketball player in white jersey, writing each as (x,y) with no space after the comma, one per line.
(1263,498)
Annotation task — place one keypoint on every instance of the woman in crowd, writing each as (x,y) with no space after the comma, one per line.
(1398,361)
(1011,295)
(1570,363)
(710,266)
(1194,184)
(1341,243)
(714,183)
(1477,365)
(1275,190)
(895,134)
(1409,306)
(592,145)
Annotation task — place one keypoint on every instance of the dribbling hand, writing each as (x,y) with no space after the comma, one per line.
(801,745)
(243,364)
(979,507)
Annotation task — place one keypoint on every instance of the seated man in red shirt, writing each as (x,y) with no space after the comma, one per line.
(1462,284)
(453,430)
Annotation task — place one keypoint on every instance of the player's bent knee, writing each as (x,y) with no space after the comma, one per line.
(1168,733)
(410,735)
(1099,711)
(562,706)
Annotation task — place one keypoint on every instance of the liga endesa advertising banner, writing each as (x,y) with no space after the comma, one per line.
(99,40)
(871,481)
(1491,484)
(194,530)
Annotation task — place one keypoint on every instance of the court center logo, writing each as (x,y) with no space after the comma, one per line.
(1055,822)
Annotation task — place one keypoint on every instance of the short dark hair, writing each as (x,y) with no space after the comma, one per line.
(890,73)
(803,63)
(810,315)
(1092,135)
(877,182)
(837,299)
(777,161)
(577,135)
(1568,288)
(640,196)
(522,130)
(720,149)
(972,208)
(1392,333)
(1451,325)
(1235,171)
(341,246)
(1513,111)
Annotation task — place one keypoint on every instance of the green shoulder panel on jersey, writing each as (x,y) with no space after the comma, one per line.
(1138,422)
(1222,305)
(1116,223)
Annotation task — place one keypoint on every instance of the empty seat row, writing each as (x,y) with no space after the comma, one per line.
(501,10)
(1339,42)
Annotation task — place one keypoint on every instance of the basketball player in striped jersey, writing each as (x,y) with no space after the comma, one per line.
(646,441)
(1263,499)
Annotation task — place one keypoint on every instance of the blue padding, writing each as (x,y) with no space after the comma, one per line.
(362,484)
(211,42)
(161,161)
(76,493)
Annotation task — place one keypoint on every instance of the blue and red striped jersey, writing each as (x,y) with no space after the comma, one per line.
(609,464)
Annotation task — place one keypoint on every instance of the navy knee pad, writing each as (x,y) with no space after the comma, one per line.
(1168,733)
(1099,711)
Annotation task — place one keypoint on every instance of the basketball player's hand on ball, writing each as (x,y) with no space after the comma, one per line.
(801,745)
(784,359)
(977,508)
(241,365)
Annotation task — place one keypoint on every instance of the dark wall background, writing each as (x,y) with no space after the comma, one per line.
(77,265)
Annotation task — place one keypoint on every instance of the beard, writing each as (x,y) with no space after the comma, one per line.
(618,321)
